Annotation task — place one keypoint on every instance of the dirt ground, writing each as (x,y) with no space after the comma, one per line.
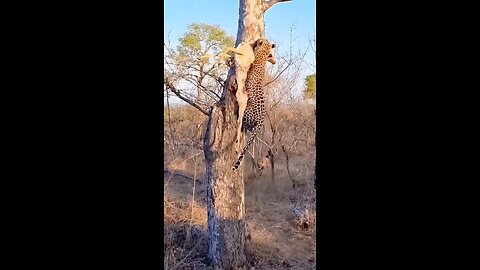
(274,239)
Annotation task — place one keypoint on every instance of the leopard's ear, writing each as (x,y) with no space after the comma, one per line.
(273,46)
(257,43)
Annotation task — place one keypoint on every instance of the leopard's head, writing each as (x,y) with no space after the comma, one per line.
(263,50)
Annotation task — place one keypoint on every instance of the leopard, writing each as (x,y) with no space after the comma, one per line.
(254,115)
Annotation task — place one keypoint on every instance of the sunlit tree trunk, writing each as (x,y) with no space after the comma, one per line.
(225,189)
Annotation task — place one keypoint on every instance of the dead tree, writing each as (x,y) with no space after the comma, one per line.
(225,190)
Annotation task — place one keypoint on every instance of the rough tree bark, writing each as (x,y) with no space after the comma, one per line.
(225,189)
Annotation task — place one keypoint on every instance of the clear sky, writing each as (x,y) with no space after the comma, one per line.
(178,14)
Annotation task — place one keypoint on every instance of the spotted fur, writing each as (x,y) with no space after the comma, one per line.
(254,115)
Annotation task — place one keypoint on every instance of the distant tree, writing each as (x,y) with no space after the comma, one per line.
(194,59)
(311,86)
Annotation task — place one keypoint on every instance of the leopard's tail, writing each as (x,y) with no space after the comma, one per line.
(253,135)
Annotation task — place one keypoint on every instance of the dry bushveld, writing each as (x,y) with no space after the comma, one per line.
(280,200)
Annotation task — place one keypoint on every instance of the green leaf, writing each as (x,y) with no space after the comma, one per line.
(311,86)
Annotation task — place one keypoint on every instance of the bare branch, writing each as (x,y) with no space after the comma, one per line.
(269,4)
(301,118)
(179,95)
(288,167)
(280,73)
(208,73)
(176,173)
(194,75)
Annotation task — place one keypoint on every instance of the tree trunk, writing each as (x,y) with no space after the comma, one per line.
(225,189)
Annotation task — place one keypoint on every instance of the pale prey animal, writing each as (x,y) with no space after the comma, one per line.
(254,114)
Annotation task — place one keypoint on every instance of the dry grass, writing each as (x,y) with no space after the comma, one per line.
(277,239)
(184,235)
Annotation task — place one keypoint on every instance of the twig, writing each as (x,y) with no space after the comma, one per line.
(280,73)
(179,95)
(271,156)
(178,174)
(270,147)
(288,167)
(302,119)
(176,167)
(186,256)
(194,178)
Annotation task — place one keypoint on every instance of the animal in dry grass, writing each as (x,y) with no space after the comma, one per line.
(254,114)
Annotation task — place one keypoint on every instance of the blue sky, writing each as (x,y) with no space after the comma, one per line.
(278,20)
(178,14)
